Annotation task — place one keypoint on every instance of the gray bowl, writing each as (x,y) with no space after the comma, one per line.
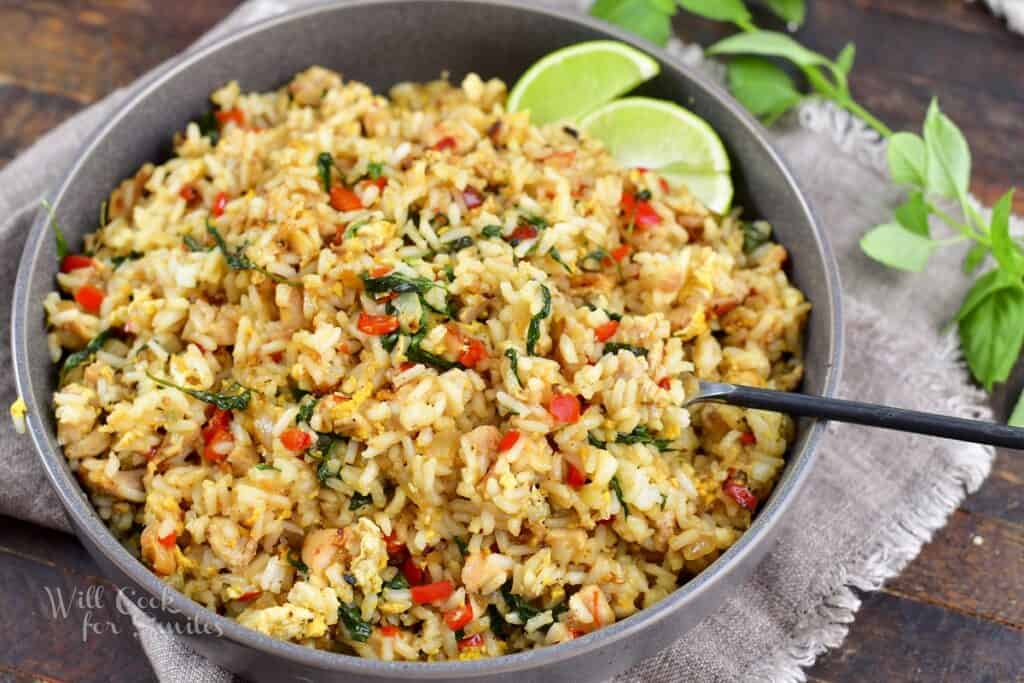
(383,42)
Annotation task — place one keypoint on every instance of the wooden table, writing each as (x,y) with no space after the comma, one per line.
(955,614)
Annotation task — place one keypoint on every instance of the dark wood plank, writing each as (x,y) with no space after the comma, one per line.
(27,115)
(63,621)
(897,640)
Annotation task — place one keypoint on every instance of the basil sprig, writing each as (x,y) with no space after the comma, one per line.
(239,400)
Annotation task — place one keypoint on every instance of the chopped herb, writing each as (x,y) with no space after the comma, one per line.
(559,609)
(234,401)
(460,634)
(755,234)
(375,170)
(118,260)
(237,260)
(513,362)
(535,221)
(533,332)
(615,347)
(449,272)
(594,261)
(328,467)
(358,629)
(324,164)
(643,196)
(460,244)
(596,442)
(58,234)
(208,127)
(641,434)
(195,245)
(553,253)
(390,341)
(349,579)
(353,229)
(79,357)
(664,499)
(617,489)
(306,409)
(518,604)
(296,561)
(359,500)
(499,626)
(397,283)
(264,466)
(612,315)
(463,546)
(417,355)
(492,231)
(398,583)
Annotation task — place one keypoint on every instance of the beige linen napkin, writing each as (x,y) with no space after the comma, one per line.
(872,500)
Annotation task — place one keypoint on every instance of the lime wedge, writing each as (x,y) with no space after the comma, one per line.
(666,138)
(570,82)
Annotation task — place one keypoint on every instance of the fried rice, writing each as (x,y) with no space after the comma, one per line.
(403,376)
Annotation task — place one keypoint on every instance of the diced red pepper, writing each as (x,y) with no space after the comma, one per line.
(388,631)
(748,439)
(189,194)
(522,233)
(249,596)
(605,332)
(664,185)
(379,271)
(721,309)
(627,202)
(296,439)
(277,356)
(474,353)
(472,198)
(74,262)
(432,592)
(169,540)
(377,324)
(90,298)
(475,640)
(459,617)
(739,493)
(412,572)
(218,446)
(645,216)
(233,115)
(344,199)
(508,441)
(220,202)
(444,143)
(620,252)
(394,546)
(218,422)
(565,408)
(574,477)
(665,383)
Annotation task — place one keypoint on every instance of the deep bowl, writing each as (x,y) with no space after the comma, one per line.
(382,42)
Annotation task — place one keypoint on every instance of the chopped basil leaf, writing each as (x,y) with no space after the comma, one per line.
(449,272)
(641,434)
(596,442)
(513,362)
(375,170)
(237,260)
(554,254)
(535,221)
(463,546)
(492,231)
(390,340)
(643,196)
(499,626)
(755,234)
(460,244)
(264,466)
(296,561)
(235,401)
(417,355)
(398,583)
(518,604)
(118,260)
(358,629)
(615,347)
(209,128)
(594,261)
(79,357)
(324,164)
(359,500)
(617,489)
(533,332)
(58,234)
(306,409)
(559,609)
(397,283)
(195,245)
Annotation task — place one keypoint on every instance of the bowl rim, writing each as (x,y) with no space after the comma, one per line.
(85,519)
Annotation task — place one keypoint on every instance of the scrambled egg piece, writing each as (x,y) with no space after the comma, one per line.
(18,412)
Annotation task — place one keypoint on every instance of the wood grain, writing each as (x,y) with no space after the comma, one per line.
(955,614)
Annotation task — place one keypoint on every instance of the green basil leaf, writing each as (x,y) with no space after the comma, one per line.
(718,10)
(513,364)
(645,18)
(359,500)
(209,127)
(790,11)
(533,332)
(324,164)
(1017,416)
(234,401)
(893,245)
(844,60)
(58,234)
(762,87)
(358,629)
(617,489)
(1004,249)
(81,356)
(908,159)
(768,44)
(755,234)
(974,258)
(948,168)
(398,583)
(557,258)
(492,231)
(596,442)
(913,215)
(615,347)
(992,333)
(306,409)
